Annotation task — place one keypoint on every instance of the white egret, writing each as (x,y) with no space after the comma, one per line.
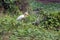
(23,16)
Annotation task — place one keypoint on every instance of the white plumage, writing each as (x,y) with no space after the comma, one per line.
(22,16)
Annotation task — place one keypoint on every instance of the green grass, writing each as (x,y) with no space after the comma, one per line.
(25,30)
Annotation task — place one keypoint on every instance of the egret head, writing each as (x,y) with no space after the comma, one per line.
(26,14)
